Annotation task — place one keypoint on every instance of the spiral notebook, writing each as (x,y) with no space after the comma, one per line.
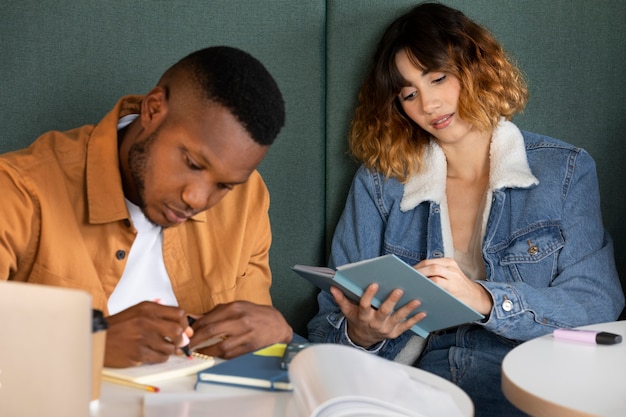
(45,351)
(175,366)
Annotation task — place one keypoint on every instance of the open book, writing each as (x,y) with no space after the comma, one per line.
(329,380)
(442,308)
(335,380)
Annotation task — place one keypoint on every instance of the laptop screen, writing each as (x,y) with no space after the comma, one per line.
(45,351)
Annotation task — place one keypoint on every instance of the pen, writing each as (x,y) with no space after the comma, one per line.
(588,336)
(184,346)
(132,384)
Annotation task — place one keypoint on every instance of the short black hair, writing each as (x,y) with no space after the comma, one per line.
(238,81)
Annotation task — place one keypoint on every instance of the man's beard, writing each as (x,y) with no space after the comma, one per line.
(138,155)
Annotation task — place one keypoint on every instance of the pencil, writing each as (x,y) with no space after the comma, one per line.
(128,383)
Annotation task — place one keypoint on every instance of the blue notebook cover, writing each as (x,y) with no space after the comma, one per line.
(390,272)
(259,369)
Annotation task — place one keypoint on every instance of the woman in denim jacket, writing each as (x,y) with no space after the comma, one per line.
(507,221)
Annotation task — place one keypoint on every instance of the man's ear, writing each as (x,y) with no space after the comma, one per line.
(154,109)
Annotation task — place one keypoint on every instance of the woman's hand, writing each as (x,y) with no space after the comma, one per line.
(367,325)
(446,273)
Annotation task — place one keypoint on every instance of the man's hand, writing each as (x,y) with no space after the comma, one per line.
(145,333)
(242,327)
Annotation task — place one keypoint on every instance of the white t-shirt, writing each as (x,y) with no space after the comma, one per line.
(145,277)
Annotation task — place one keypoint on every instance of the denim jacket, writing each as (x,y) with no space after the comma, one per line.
(549,261)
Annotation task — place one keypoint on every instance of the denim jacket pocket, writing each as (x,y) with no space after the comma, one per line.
(531,255)
(407,256)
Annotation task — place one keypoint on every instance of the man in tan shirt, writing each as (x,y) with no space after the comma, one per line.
(157,211)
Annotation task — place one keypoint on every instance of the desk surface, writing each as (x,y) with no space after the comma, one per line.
(121,401)
(556,378)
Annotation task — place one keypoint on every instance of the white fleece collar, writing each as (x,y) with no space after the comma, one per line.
(509,168)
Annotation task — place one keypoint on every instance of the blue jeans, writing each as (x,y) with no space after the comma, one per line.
(471,357)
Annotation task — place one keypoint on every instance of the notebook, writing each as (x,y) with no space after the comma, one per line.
(442,308)
(259,369)
(176,366)
(45,351)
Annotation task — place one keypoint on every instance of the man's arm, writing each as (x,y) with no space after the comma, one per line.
(18,226)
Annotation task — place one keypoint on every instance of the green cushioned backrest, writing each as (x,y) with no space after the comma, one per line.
(66,63)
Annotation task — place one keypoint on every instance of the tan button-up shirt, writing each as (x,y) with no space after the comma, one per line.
(64,221)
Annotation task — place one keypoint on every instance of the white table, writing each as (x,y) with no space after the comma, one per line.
(555,378)
(121,401)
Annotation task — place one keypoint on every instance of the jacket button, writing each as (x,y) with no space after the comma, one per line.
(120,255)
(507,305)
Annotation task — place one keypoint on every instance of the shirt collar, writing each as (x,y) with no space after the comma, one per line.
(508,168)
(105,194)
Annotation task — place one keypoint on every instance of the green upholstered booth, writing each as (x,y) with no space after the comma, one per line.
(65,63)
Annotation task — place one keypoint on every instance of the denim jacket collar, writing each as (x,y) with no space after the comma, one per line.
(509,168)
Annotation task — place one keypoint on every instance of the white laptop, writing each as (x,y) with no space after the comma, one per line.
(45,351)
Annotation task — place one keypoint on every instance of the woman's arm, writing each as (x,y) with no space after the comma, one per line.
(358,235)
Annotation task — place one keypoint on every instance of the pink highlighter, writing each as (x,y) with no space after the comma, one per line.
(587,336)
(184,345)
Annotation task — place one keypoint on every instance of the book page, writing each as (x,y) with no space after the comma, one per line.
(207,404)
(327,377)
(323,278)
(316,269)
(175,366)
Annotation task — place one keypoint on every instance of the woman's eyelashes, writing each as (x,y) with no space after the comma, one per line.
(409,96)
(410,93)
